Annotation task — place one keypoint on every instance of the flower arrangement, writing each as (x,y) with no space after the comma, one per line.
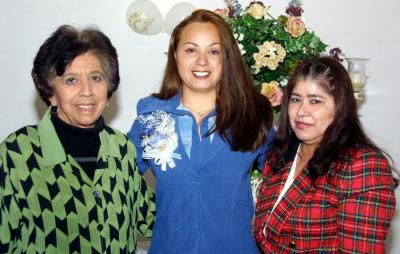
(271,47)
(159,139)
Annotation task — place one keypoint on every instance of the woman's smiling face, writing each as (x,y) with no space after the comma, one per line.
(198,57)
(311,110)
(81,92)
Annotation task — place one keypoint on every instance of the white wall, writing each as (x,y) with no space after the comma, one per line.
(362,28)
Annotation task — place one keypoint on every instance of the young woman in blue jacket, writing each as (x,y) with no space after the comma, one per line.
(200,136)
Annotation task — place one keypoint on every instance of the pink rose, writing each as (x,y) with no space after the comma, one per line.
(273,92)
(295,26)
(224,12)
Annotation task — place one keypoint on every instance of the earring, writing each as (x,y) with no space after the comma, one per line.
(107,105)
(54,109)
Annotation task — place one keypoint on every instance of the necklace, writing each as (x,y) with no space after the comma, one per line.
(200,114)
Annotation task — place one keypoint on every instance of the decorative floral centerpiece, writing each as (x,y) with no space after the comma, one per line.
(271,47)
(159,139)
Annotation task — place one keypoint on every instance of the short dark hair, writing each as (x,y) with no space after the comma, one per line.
(345,131)
(62,47)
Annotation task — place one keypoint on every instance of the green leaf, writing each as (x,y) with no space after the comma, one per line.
(257,31)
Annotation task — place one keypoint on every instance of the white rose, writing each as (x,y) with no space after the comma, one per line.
(257,10)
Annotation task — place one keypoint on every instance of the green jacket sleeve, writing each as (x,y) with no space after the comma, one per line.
(9,210)
(146,209)
(144,198)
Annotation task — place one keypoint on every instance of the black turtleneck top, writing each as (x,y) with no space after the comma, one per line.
(82,144)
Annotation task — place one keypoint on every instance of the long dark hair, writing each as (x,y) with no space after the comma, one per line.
(243,115)
(345,131)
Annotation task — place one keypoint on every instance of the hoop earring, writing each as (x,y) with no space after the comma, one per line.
(54,109)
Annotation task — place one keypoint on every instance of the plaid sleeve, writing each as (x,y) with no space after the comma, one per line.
(366,211)
(9,211)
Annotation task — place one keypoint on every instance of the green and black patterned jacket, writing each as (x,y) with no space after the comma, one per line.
(49,205)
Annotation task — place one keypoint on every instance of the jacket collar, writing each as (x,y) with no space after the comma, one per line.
(53,151)
(170,106)
(108,144)
(285,208)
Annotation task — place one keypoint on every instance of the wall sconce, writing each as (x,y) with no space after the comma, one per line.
(357,73)
(144,17)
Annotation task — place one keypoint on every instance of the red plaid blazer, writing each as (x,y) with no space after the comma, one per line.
(348,210)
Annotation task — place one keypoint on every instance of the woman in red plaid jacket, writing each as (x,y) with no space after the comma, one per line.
(326,187)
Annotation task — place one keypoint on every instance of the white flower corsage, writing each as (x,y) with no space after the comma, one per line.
(159,139)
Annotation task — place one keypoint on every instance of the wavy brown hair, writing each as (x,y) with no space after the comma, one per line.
(345,131)
(244,117)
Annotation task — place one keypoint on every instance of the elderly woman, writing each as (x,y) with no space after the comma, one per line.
(69,184)
(327,187)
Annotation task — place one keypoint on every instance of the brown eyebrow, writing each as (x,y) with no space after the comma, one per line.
(97,72)
(195,44)
(309,96)
(74,74)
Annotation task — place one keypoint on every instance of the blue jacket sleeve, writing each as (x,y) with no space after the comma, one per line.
(134,136)
(263,150)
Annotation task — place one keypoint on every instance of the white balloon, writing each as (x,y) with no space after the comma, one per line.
(144,17)
(176,14)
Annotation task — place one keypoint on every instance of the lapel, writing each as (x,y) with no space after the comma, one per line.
(185,160)
(151,104)
(211,150)
(109,148)
(285,208)
(202,152)
(54,153)
(205,153)
(108,145)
